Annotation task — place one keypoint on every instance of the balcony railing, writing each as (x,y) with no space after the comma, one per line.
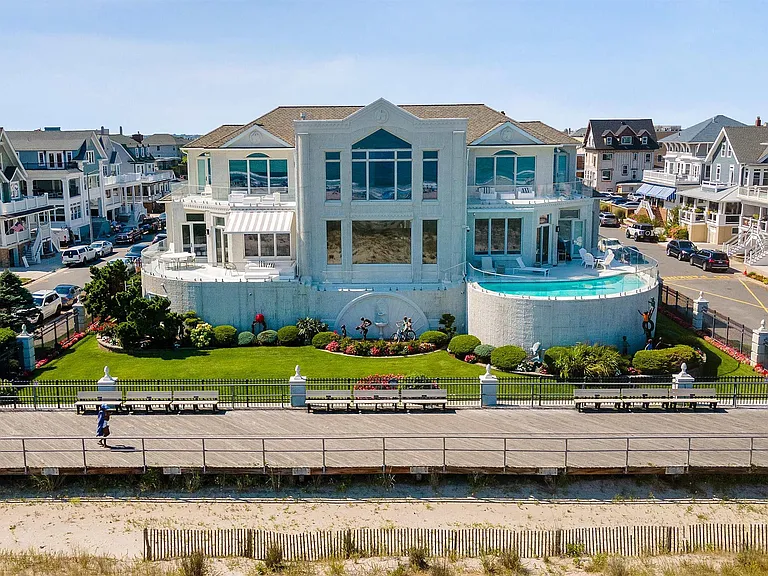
(122,179)
(719,219)
(51,166)
(23,204)
(158,176)
(692,217)
(665,179)
(209,194)
(754,193)
(490,195)
(712,185)
(754,224)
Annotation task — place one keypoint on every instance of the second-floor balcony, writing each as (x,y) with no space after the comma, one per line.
(701,216)
(158,176)
(662,178)
(122,179)
(500,195)
(24,204)
(213,194)
(759,193)
(71,165)
(692,216)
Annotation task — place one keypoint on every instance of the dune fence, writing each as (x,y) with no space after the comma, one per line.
(164,544)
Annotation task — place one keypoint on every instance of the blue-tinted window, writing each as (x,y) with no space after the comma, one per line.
(278,173)
(505,171)
(332,176)
(429,175)
(484,171)
(404,178)
(526,171)
(257,173)
(381,175)
(359,181)
(238,174)
(382,180)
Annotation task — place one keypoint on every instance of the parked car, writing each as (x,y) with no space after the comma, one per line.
(149,225)
(640,232)
(710,260)
(78,255)
(102,247)
(609,219)
(68,294)
(128,236)
(630,205)
(162,236)
(47,303)
(162,217)
(129,263)
(681,249)
(135,252)
(604,244)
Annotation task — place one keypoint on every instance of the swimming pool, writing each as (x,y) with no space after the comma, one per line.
(606,286)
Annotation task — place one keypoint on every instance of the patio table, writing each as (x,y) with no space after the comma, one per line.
(178,258)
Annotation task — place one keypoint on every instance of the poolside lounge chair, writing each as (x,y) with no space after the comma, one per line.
(521,267)
(486,264)
(605,263)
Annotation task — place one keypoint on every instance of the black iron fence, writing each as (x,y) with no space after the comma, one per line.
(58,330)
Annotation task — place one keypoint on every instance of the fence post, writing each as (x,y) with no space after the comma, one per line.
(759,340)
(489,388)
(26,344)
(700,306)
(683,379)
(298,386)
(79,317)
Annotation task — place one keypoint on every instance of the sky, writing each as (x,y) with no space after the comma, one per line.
(188,66)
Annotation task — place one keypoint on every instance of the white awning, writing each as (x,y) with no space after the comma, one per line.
(253,222)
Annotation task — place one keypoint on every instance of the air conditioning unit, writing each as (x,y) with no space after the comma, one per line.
(487,192)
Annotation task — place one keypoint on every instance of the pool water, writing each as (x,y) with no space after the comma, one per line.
(569,288)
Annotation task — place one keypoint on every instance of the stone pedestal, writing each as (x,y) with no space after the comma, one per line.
(107,382)
(80,322)
(489,388)
(759,353)
(26,343)
(298,387)
(683,379)
(700,305)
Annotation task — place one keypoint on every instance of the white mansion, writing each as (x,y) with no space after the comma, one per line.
(340,212)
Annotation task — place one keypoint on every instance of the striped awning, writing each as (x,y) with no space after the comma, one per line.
(253,222)
(654,191)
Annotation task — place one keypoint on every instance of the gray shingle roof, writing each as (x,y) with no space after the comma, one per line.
(601,129)
(160,140)
(749,143)
(33,140)
(481,119)
(705,131)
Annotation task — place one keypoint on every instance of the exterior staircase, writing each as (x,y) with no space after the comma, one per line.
(751,243)
(34,249)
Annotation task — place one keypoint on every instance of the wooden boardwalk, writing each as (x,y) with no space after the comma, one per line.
(294,442)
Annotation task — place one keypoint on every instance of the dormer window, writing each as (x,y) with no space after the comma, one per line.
(89,158)
(644,140)
(609,140)
(626,140)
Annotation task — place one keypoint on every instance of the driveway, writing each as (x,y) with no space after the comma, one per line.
(730,293)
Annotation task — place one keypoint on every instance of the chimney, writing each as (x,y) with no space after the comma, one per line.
(758,122)
(138,137)
(121,130)
(303,116)
(103,131)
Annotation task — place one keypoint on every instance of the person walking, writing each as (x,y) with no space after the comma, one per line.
(102,425)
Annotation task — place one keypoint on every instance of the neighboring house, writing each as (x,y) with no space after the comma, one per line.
(165,148)
(661,133)
(617,151)
(153,184)
(341,212)
(25,226)
(68,165)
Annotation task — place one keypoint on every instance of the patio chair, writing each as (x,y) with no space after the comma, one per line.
(521,267)
(486,264)
(582,251)
(605,263)
(588,260)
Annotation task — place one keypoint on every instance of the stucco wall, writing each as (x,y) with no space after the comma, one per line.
(499,319)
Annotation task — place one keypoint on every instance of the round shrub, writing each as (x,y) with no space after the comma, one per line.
(483,352)
(322,339)
(463,344)
(267,338)
(7,338)
(225,336)
(439,339)
(246,339)
(288,336)
(507,358)
(201,335)
(665,360)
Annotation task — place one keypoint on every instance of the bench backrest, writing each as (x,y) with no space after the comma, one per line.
(693,392)
(377,394)
(631,393)
(150,395)
(597,393)
(328,394)
(425,394)
(100,395)
(196,395)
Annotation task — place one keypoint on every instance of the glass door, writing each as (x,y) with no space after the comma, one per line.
(564,240)
(577,237)
(193,239)
(221,242)
(542,245)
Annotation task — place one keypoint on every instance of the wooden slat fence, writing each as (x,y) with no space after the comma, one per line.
(163,544)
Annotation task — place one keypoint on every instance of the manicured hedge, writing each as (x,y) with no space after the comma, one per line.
(550,358)
(483,352)
(665,360)
(439,339)
(267,338)
(246,339)
(322,339)
(288,336)
(463,344)
(225,336)
(507,358)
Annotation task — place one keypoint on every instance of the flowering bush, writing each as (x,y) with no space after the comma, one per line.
(427,347)
(470,358)
(333,346)
(350,350)
(201,335)
(376,351)
(379,382)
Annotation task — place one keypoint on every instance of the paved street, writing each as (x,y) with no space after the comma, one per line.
(729,293)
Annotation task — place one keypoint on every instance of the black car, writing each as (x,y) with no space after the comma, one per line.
(710,260)
(128,236)
(681,249)
(149,225)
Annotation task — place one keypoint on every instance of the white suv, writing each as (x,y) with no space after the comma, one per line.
(48,302)
(78,255)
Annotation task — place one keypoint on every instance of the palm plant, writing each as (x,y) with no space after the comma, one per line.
(309,327)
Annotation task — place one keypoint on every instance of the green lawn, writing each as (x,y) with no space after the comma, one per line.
(718,362)
(87,360)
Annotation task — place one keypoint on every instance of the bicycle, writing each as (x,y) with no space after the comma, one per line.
(404,333)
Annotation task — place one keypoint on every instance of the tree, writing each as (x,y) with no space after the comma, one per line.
(100,298)
(13,297)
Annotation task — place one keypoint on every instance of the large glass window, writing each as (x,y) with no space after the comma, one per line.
(498,235)
(333,176)
(381,242)
(260,176)
(429,242)
(267,245)
(429,175)
(505,171)
(238,174)
(333,241)
(381,175)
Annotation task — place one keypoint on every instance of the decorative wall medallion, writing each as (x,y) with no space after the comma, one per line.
(255,137)
(507,134)
(381,116)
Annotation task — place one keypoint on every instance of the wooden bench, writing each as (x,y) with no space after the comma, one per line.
(645,397)
(148,400)
(424,397)
(328,398)
(195,399)
(692,397)
(95,398)
(376,398)
(596,396)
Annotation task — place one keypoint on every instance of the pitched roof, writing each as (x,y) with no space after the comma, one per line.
(160,140)
(705,131)
(481,119)
(749,143)
(600,129)
(34,140)
(124,140)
